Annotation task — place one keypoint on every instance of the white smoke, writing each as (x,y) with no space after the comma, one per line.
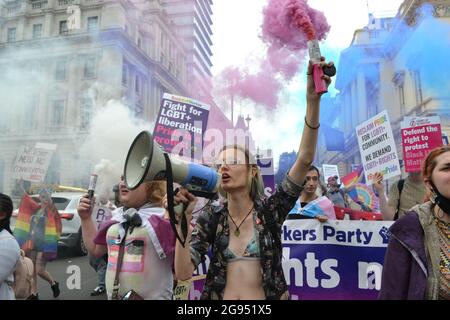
(113,129)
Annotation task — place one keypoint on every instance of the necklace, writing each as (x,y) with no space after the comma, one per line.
(237,232)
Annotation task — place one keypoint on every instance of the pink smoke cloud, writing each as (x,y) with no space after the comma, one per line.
(287,26)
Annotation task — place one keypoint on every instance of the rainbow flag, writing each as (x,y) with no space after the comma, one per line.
(28,210)
(361,193)
(352,178)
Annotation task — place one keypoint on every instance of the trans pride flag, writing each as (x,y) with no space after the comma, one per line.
(23,233)
(320,206)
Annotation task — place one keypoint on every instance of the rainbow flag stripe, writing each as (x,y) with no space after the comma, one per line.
(28,207)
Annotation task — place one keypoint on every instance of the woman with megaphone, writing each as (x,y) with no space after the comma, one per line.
(245,234)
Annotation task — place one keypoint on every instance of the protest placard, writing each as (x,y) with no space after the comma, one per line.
(420,135)
(377,147)
(330,170)
(101,214)
(32,162)
(180,126)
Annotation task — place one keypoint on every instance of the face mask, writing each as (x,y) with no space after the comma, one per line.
(438,199)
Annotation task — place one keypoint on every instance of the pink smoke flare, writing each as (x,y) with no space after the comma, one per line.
(287,26)
(291,23)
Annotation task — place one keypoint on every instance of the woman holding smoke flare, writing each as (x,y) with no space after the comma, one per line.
(245,233)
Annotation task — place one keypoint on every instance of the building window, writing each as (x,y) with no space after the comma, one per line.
(138,110)
(37,31)
(139,43)
(89,68)
(60,72)
(11,37)
(137,84)
(92,23)
(86,112)
(401,97)
(57,116)
(125,75)
(399,81)
(418,86)
(30,114)
(63,30)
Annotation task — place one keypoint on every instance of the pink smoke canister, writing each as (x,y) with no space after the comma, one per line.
(315,56)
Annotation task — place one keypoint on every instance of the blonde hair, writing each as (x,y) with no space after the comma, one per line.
(255,184)
(156,190)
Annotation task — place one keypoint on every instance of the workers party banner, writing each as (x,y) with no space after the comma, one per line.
(377,146)
(32,162)
(420,135)
(336,260)
(180,126)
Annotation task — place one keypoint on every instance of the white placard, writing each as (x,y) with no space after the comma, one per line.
(377,146)
(330,170)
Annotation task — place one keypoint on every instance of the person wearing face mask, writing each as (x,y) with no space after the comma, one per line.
(9,250)
(417,261)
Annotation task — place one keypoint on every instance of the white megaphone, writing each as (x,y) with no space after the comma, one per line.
(146,162)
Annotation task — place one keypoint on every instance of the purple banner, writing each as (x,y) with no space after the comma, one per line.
(267,173)
(337,260)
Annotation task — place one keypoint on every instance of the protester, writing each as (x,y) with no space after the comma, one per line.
(148,240)
(404,194)
(9,250)
(417,264)
(38,228)
(245,232)
(335,193)
(308,194)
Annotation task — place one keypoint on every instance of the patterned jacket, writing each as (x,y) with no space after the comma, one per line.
(275,207)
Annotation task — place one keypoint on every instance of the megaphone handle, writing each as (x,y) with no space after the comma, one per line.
(170,204)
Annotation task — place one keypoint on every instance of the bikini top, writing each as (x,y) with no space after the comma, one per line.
(251,252)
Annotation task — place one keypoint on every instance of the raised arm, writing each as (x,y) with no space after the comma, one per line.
(386,211)
(307,150)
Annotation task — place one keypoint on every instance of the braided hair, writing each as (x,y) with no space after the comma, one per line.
(6,206)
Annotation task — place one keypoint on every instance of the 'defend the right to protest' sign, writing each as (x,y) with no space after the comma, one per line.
(32,162)
(420,135)
(181,125)
(377,147)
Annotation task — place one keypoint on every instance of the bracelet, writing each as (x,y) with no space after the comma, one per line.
(313,128)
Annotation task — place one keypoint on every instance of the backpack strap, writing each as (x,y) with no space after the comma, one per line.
(400,185)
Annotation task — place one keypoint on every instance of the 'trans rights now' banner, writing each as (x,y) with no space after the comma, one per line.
(420,135)
(181,125)
(336,260)
(377,147)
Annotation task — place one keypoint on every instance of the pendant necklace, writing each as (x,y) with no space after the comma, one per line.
(237,232)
